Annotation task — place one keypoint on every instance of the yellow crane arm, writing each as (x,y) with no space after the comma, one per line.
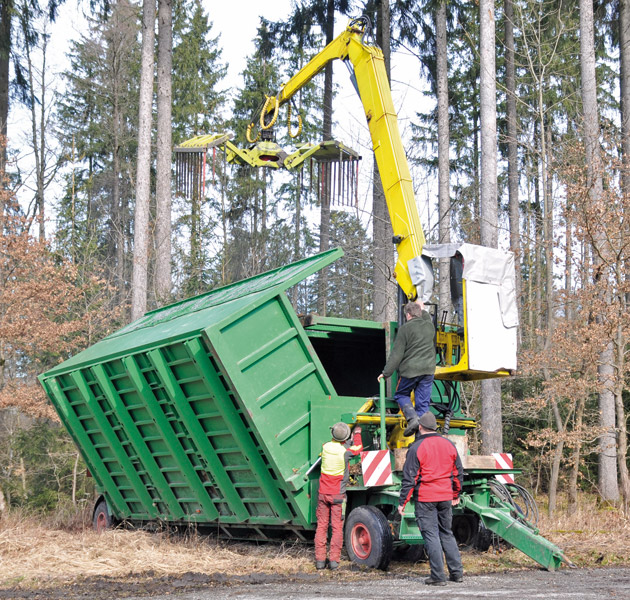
(375,93)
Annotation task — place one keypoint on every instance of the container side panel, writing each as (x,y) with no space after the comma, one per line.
(271,364)
(137,438)
(201,424)
(207,417)
(178,464)
(81,415)
(233,440)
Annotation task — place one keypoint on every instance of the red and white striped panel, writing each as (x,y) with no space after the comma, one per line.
(504,461)
(377,468)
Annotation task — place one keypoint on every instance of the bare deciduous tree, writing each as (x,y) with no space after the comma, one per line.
(163,279)
(492,433)
(608,485)
(143,174)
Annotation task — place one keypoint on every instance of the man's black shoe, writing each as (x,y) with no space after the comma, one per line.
(430,581)
(457,578)
(333,564)
(320,564)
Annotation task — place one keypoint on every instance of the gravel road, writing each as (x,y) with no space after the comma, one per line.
(569,584)
(529,584)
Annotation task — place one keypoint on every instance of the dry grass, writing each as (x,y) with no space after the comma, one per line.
(31,550)
(592,535)
(34,552)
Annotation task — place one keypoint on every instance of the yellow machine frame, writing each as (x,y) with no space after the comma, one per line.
(374,91)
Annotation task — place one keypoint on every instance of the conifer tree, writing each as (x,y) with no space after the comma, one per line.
(97,128)
(251,208)
(197,109)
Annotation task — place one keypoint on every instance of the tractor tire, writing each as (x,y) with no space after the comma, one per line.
(102,518)
(368,537)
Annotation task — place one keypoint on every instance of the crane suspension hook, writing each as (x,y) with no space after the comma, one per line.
(299,116)
(266,108)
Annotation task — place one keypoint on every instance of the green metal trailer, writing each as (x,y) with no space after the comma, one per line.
(213,411)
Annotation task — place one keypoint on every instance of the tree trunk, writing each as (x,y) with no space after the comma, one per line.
(488,119)
(608,485)
(572,484)
(117,209)
(224,222)
(475,231)
(572,503)
(568,262)
(37,129)
(384,291)
(492,434)
(118,235)
(624,85)
(545,139)
(163,279)
(6,12)
(195,244)
(624,101)
(557,459)
(538,261)
(512,144)
(622,435)
(324,228)
(143,174)
(444,196)
(548,230)
(297,233)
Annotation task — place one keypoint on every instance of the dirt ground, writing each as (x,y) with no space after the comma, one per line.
(530,584)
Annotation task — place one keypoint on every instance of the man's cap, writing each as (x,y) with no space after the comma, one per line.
(427,420)
(340,432)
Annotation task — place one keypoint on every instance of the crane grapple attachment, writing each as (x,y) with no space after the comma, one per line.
(333,166)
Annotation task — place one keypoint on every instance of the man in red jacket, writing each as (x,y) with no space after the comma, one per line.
(332,492)
(433,476)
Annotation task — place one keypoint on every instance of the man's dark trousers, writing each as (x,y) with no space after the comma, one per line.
(421,386)
(435,520)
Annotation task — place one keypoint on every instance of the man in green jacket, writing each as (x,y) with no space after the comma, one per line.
(413,356)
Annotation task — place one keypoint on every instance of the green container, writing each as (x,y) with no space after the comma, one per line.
(212,410)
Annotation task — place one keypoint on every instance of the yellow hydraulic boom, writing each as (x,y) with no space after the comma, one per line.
(370,78)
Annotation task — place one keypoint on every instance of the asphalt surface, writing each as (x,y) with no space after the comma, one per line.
(566,584)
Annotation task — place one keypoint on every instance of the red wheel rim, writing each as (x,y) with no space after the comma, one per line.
(101,521)
(361,541)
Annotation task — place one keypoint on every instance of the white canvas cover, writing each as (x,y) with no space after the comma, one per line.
(491,311)
(496,268)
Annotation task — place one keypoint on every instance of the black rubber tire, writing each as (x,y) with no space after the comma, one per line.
(412,553)
(465,529)
(368,537)
(483,539)
(102,518)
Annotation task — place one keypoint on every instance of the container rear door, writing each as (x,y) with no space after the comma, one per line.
(277,377)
